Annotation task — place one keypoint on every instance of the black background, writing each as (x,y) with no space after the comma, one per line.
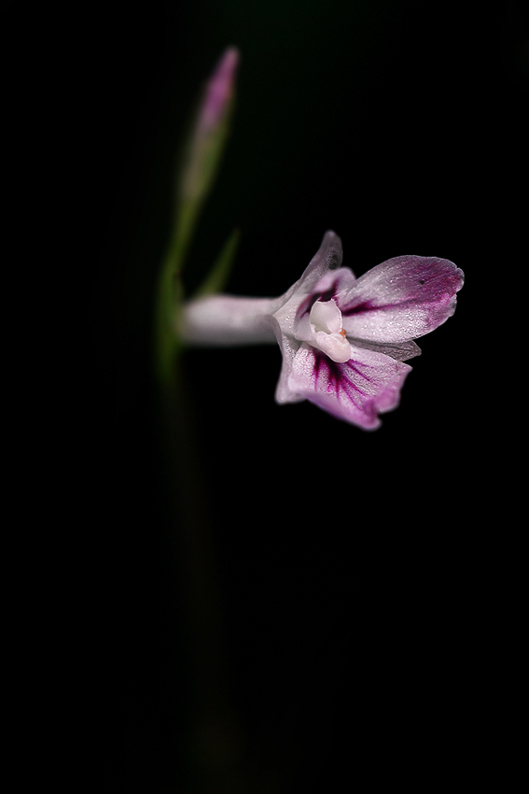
(364,586)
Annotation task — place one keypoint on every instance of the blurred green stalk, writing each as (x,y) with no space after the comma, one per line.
(199,166)
(212,755)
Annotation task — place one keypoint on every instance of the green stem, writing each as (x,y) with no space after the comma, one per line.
(169,294)
(213,752)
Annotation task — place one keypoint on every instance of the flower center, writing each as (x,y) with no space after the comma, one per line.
(327,332)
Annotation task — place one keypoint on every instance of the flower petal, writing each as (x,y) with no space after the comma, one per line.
(328,257)
(401,299)
(355,391)
(400,351)
(284,392)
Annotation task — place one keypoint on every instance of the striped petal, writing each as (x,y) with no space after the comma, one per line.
(356,391)
(401,299)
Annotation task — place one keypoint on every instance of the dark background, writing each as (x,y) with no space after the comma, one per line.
(363,588)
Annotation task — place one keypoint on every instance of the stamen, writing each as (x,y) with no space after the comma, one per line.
(327,332)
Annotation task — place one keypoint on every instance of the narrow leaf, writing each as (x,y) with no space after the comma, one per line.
(217,277)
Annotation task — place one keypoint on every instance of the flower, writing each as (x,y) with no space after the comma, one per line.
(344,340)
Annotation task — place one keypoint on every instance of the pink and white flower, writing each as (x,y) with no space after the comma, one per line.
(344,340)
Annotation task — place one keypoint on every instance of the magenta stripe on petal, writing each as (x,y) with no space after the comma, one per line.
(401,299)
(356,391)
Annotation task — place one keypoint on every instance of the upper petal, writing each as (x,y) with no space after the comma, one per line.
(401,299)
(328,257)
(355,391)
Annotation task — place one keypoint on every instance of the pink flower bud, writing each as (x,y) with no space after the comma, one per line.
(219,91)
(209,135)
